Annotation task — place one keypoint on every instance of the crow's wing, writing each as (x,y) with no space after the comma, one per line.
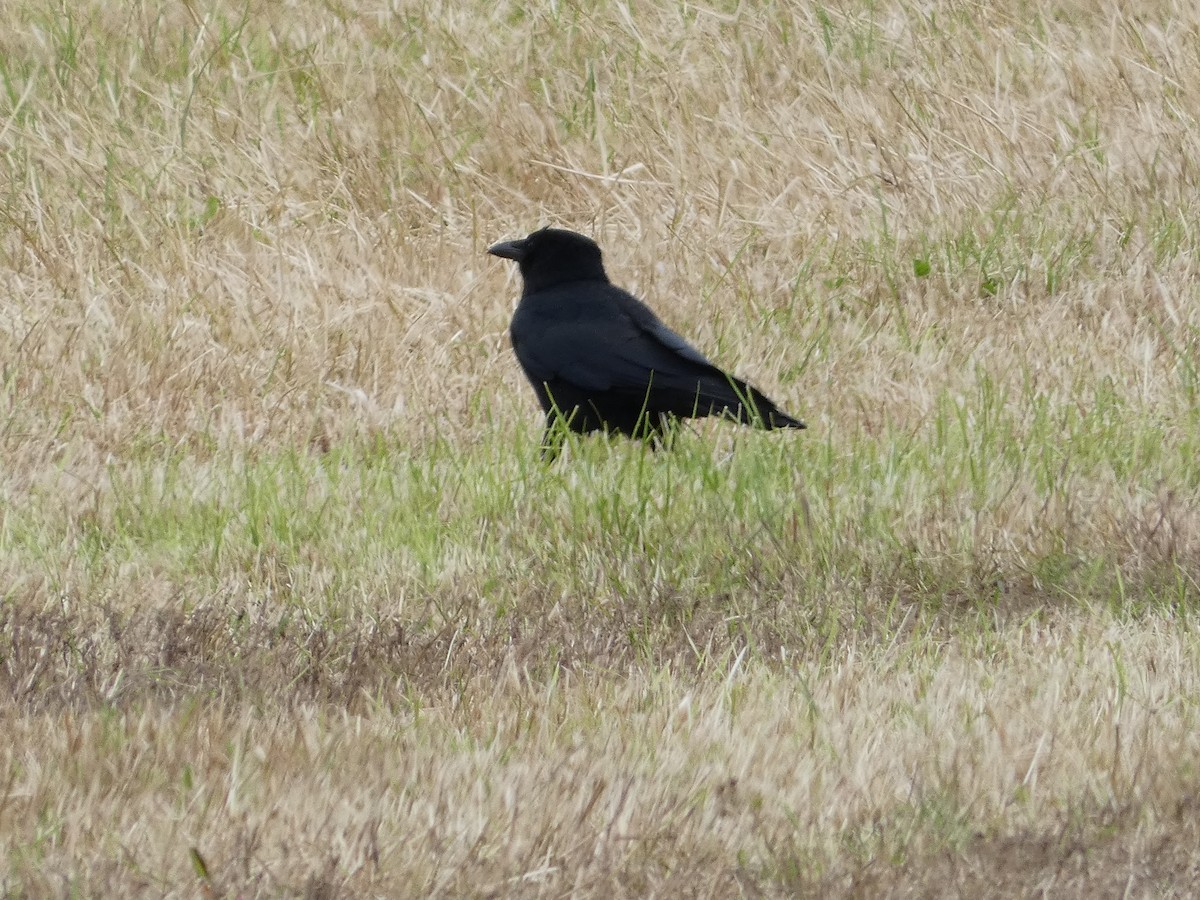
(606,340)
(645,319)
(703,389)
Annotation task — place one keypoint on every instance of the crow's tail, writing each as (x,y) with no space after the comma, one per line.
(761,411)
(735,398)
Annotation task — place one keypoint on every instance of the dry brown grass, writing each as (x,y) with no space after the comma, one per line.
(287,606)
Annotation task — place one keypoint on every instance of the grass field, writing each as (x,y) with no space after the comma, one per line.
(289,606)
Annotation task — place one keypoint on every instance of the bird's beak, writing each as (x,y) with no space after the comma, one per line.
(508,250)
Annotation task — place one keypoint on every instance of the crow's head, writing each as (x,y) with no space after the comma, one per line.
(553,256)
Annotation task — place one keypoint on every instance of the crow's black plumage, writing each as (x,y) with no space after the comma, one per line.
(600,359)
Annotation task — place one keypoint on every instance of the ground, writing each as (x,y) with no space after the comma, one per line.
(289,605)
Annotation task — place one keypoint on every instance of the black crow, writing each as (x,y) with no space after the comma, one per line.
(600,359)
